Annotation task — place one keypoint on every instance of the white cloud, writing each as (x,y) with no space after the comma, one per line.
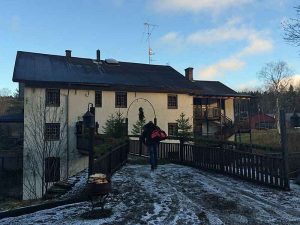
(170,37)
(232,30)
(197,5)
(256,42)
(236,62)
(249,85)
(256,46)
(118,3)
(218,69)
(295,80)
(15,23)
(220,34)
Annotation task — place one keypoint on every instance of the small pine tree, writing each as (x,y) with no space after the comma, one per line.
(184,128)
(114,126)
(108,128)
(119,129)
(138,126)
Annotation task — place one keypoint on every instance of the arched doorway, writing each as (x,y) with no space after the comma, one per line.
(135,101)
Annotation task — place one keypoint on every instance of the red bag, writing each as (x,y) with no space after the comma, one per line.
(158,134)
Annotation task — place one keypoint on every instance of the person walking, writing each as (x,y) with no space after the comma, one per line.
(152,144)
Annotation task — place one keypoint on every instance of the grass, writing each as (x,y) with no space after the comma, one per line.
(271,138)
(262,137)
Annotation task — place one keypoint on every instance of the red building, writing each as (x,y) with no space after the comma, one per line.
(262,121)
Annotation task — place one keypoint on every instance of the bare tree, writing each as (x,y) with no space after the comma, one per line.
(37,147)
(292,29)
(277,77)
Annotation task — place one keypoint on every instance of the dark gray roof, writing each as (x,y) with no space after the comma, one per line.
(53,70)
(12,118)
(44,68)
(216,88)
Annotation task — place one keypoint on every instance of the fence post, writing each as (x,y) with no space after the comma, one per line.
(181,150)
(127,149)
(109,161)
(140,146)
(91,151)
(222,155)
(283,138)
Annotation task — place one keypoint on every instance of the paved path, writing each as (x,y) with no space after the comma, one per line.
(176,194)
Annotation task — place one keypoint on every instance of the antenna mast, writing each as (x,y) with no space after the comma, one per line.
(150,28)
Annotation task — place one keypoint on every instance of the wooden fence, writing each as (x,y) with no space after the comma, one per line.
(111,161)
(263,169)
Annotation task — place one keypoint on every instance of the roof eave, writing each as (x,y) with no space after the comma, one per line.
(108,87)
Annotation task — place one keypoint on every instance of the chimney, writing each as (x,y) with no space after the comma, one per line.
(189,73)
(98,55)
(68,53)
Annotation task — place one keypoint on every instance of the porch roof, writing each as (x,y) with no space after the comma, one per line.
(217,89)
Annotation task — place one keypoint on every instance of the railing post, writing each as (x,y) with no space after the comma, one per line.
(181,150)
(222,151)
(127,148)
(140,146)
(284,150)
(109,161)
(91,151)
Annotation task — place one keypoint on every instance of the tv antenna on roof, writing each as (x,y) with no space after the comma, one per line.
(150,28)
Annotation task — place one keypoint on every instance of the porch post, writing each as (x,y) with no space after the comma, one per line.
(220,110)
(206,117)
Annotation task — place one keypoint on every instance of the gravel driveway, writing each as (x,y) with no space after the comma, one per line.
(175,194)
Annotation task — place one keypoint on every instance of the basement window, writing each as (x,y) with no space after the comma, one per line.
(172,129)
(52,97)
(172,102)
(52,169)
(52,131)
(98,98)
(121,99)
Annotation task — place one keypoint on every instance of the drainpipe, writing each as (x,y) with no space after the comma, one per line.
(68,156)
(67,124)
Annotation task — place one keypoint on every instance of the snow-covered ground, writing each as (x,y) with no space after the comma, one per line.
(175,194)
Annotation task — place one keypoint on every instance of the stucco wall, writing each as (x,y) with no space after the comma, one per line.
(73,105)
(229,109)
(159,102)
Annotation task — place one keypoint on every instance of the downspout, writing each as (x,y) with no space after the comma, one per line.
(68,156)
(67,125)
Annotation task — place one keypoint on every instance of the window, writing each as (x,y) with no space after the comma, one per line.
(98,98)
(52,169)
(121,100)
(52,131)
(53,97)
(172,129)
(172,102)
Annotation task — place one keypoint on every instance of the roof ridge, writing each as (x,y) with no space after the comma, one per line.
(45,54)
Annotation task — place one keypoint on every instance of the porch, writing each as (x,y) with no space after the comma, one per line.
(221,117)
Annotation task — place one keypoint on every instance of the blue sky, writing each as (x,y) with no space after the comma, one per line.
(228,40)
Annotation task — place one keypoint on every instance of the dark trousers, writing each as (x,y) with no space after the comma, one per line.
(152,150)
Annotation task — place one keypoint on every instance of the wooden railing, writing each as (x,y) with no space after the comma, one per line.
(111,161)
(211,113)
(264,169)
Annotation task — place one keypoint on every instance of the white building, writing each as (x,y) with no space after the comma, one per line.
(58,89)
